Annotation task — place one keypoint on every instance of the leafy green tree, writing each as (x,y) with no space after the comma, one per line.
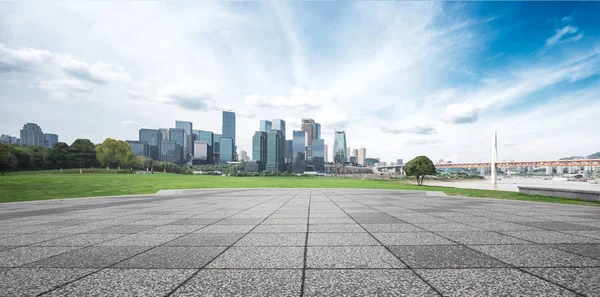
(82,153)
(58,157)
(115,153)
(24,158)
(39,157)
(8,161)
(419,167)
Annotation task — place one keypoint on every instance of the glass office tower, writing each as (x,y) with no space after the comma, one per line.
(318,155)
(188,149)
(207,137)
(275,151)
(339,147)
(228,128)
(225,149)
(265,126)
(278,124)
(299,151)
(259,149)
(153,138)
(317,131)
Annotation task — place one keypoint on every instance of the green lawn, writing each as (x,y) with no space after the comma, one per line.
(53,185)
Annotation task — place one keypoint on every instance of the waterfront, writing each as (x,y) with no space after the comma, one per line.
(512,184)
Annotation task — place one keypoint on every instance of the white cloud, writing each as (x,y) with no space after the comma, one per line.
(131,123)
(462,113)
(423,130)
(298,98)
(65,88)
(21,59)
(558,37)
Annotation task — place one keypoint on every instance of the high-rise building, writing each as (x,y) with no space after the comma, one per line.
(164,132)
(275,151)
(139,148)
(318,155)
(171,150)
(217,148)
(348,154)
(225,149)
(32,135)
(228,128)
(207,137)
(265,126)
(278,124)
(299,151)
(50,140)
(339,147)
(259,149)
(355,153)
(201,151)
(317,131)
(243,156)
(154,139)
(308,126)
(188,140)
(7,139)
(362,155)
(289,151)
(326,154)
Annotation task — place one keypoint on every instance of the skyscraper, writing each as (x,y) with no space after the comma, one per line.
(278,124)
(164,132)
(355,153)
(243,156)
(32,135)
(326,154)
(225,149)
(317,131)
(171,150)
(318,155)
(207,137)
(228,129)
(259,149)
(188,149)
(153,138)
(275,151)
(308,126)
(299,151)
(288,151)
(217,148)
(348,154)
(50,140)
(178,135)
(139,148)
(265,126)
(362,155)
(339,147)
(200,152)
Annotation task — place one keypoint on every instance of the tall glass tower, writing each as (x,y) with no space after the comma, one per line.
(339,147)
(275,151)
(188,141)
(299,151)
(259,149)
(279,124)
(228,128)
(154,139)
(265,126)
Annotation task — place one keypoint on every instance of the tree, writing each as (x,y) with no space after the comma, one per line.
(82,153)
(58,156)
(419,167)
(114,153)
(8,161)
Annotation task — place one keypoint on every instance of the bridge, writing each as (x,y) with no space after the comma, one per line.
(556,163)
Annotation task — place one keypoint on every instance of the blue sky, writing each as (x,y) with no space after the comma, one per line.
(401,78)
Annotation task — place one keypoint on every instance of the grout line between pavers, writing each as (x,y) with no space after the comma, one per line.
(387,248)
(222,252)
(150,248)
(302,285)
(466,246)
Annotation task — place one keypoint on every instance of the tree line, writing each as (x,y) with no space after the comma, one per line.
(82,153)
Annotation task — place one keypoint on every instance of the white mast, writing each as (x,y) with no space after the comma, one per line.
(494,158)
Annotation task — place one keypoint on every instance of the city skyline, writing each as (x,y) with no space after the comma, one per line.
(102,83)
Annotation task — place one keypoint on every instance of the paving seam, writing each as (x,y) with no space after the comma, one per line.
(466,246)
(306,245)
(387,248)
(150,248)
(217,256)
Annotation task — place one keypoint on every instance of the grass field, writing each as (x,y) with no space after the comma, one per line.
(53,185)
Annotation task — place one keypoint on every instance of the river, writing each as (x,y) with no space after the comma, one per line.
(511,184)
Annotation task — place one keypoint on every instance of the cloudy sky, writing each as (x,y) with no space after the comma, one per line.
(401,78)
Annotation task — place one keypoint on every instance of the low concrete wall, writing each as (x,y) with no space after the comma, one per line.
(561,193)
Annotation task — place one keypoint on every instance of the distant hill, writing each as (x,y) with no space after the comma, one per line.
(592,156)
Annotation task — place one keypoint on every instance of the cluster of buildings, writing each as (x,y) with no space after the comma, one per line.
(31,135)
(183,144)
(272,150)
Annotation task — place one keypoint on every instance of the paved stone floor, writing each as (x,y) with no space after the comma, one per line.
(298,242)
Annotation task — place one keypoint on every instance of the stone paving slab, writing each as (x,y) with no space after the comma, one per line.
(298,242)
